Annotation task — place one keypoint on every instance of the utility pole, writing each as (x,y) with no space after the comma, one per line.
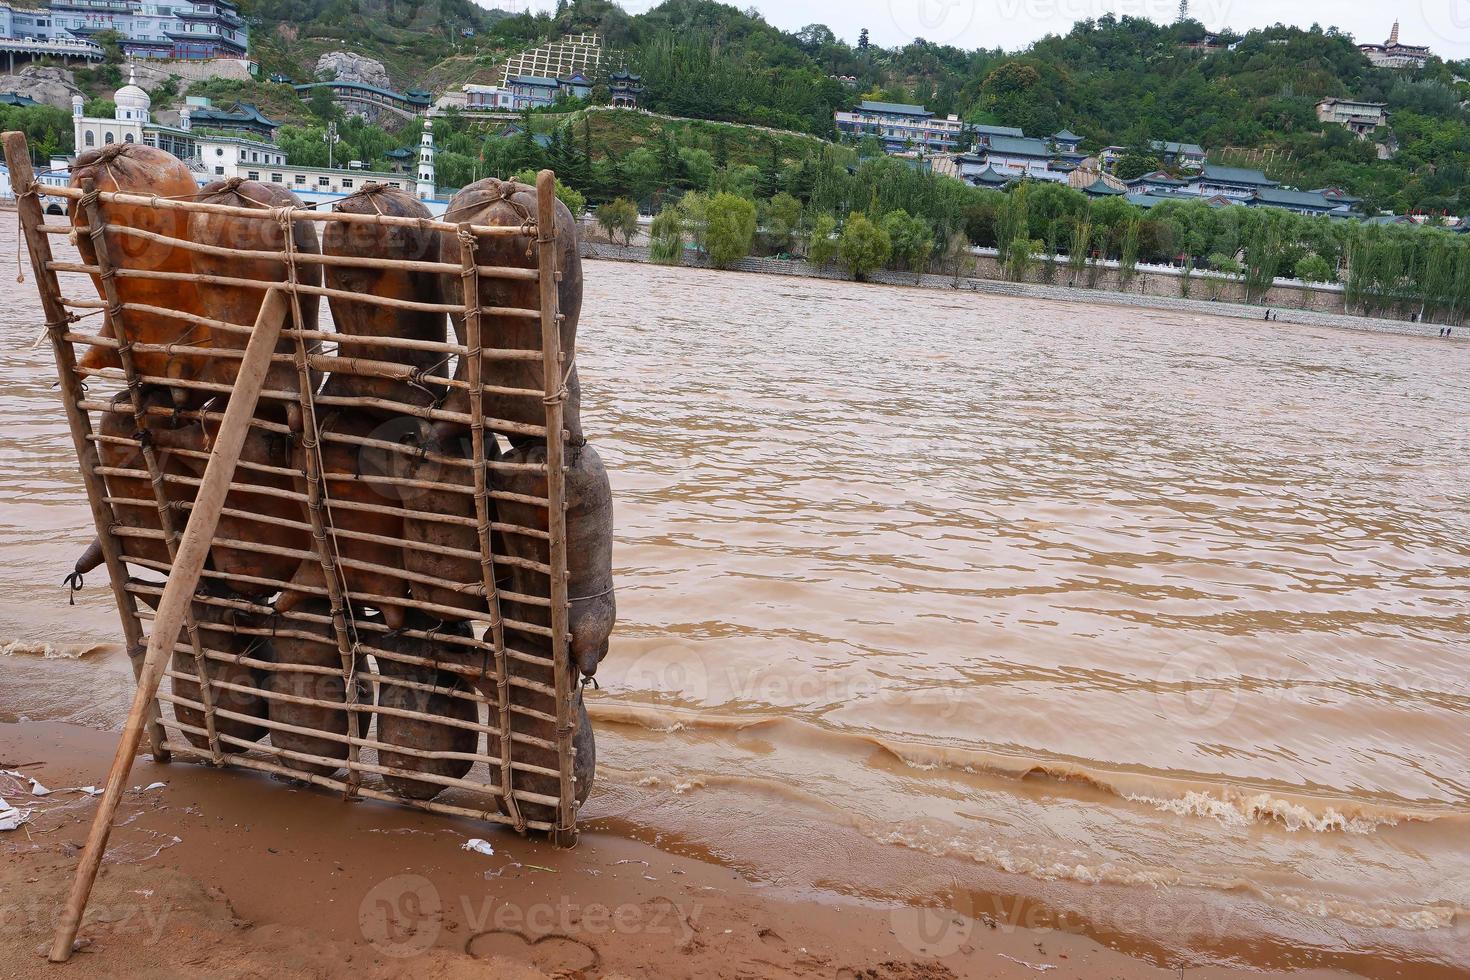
(331,138)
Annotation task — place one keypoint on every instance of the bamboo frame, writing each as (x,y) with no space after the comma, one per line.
(174,443)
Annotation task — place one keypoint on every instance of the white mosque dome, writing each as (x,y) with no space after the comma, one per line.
(131,101)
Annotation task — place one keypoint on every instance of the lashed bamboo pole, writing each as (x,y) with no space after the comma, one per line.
(326,548)
(365,442)
(305,289)
(28,206)
(172,609)
(381,405)
(258,548)
(301,214)
(473,316)
(245,605)
(341,339)
(272,724)
(429,806)
(555,401)
(265,491)
(319,258)
(107,275)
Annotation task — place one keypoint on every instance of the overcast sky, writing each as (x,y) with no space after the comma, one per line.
(1444,25)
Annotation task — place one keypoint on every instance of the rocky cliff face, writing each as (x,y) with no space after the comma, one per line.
(344,66)
(53,86)
(348,67)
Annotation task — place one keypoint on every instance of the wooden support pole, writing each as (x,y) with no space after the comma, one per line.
(28,203)
(107,273)
(556,516)
(174,605)
(473,316)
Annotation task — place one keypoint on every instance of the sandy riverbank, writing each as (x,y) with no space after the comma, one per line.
(243,877)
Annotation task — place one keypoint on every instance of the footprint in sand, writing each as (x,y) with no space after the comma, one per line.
(552,953)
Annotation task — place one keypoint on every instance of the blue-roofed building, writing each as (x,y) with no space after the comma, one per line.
(1101,188)
(902,127)
(1238,182)
(180,30)
(1149,199)
(1157,181)
(1302,202)
(533,91)
(1173,154)
(983,133)
(1022,156)
(242,117)
(1067,141)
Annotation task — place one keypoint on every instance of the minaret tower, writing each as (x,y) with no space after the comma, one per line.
(426,187)
(78,110)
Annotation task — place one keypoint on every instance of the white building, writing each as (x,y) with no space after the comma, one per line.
(1392,54)
(425,187)
(902,127)
(214,158)
(1360,117)
(178,29)
(488,98)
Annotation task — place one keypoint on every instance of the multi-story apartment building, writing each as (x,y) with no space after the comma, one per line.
(902,127)
(178,29)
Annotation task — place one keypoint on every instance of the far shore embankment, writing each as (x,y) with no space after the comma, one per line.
(1142,294)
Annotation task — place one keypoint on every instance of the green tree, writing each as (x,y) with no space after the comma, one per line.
(1128,260)
(1020,256)
(666,237)
(730,229)
(619,217)
(957,258)
(911,240)
(575,202)
(1314,268)
(863,246)
(821,247)
(693,208)
(782,217)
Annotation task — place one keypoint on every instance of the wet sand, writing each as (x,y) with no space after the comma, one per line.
(239,876)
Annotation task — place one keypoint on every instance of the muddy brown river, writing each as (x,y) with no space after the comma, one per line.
(1152,625)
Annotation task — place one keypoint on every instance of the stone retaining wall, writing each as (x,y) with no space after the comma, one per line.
(1318,307)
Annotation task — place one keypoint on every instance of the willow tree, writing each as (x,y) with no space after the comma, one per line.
(1012,223)
(1128,257)
(666,238)
(1262,258)
(1081,244)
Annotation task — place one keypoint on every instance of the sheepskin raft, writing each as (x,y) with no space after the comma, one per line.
(371,554)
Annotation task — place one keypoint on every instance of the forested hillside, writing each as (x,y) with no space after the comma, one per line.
(1114,81)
